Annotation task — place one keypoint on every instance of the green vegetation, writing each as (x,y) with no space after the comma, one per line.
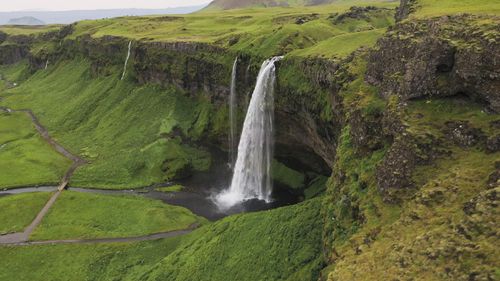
(18,211)
(84,215)
(286,176)
(342,45)
(92,262)
(427,228)
(13,73)
(431,8)
(123,129)
(285,252)
(257,245)
(28,30)
(25,157)
(263,32)
(172,188)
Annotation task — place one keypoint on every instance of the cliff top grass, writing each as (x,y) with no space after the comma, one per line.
(28,29)
(85,215)
(433,8)
(262,31)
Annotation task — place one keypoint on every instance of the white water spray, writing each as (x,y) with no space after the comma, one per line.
(233,117)
(252,172)
(126,60)
(46,64)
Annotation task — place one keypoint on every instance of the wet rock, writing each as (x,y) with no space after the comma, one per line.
(461,133)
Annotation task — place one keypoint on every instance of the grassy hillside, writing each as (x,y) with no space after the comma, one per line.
(85,216)
(25,158)
(238,4)
(96,262)
(121,128)
(249,247)
(264,32)
(288,251)
(28,30)
(15,219)
(430,8)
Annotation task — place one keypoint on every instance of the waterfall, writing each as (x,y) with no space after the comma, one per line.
(233,120)
(126,60)
(46,64)
(251,175)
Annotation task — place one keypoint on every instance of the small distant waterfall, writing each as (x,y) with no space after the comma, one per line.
(46,64)
(126,60)
(233,118)
(251,176)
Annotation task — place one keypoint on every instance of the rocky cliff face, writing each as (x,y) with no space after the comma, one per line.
(439,57)
(407,170)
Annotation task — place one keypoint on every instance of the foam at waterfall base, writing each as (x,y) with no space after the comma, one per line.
(228,199)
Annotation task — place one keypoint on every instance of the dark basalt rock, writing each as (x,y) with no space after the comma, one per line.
(462,134)
(396,169)
(405,9)
(366,131)
(354,13)
(493,144)
(3,37)
(13,53)
(439,57)
(494,179)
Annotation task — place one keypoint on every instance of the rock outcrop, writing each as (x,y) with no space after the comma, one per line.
(439,57)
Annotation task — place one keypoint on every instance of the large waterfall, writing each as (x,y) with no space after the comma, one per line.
(251,176)
(126,60)
(233,118)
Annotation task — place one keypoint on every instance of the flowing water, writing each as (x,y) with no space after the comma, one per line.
(126,60)
(251,176)
(233,106)
(46,64)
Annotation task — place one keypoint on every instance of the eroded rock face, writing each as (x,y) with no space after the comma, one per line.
(10,54)
(439,57)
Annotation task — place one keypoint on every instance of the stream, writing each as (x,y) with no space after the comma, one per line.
(197,195)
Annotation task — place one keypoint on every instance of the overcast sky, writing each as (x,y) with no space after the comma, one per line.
(63,5)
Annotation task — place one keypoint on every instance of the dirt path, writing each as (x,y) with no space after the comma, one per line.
(148,237)
(77,162)
(21,238)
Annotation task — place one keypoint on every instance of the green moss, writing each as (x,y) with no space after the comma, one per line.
(286,176)
(316,187)
(172,188)
(84,215)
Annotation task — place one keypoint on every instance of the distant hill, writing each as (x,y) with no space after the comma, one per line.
(25,21)
(235,4)
(66,17)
